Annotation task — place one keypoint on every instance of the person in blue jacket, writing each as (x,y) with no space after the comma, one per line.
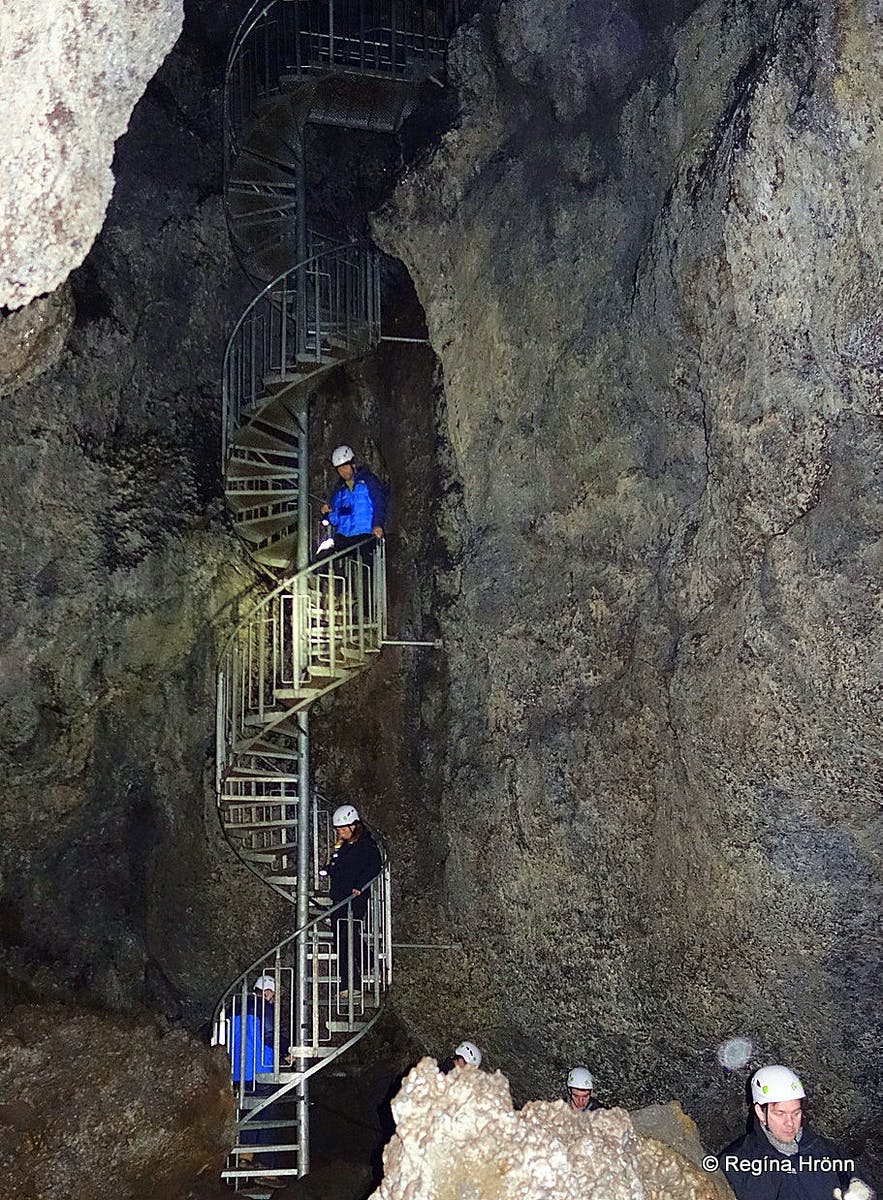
(253,1029)
(781,1157)
(258,1022)
(358,503)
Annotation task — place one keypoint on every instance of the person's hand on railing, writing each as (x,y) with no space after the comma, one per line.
(378,531)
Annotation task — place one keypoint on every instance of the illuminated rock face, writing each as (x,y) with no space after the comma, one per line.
(457,1136)
(72,72)
(657,312)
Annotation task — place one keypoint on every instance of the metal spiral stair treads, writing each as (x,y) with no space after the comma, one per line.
(358,65)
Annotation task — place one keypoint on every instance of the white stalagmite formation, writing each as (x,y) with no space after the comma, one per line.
(72,72)
(458,1138)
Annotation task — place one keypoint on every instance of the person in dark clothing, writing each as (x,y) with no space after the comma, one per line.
(354,863)
(781,1157)
(358,503)
(580,1087)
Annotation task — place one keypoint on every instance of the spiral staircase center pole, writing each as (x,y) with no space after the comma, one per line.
(302,256)
(301,984)
(356,65)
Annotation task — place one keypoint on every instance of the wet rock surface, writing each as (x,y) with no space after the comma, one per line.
(95,1105)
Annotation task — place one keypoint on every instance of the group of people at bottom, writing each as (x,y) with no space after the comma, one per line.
(578,1087)
(781,1157)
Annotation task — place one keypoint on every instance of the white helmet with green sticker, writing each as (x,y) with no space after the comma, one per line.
(772,1085)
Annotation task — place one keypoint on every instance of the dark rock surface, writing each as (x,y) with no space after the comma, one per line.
(119,581)
(633,802)
(653,748)
(32,339)
(97,1105)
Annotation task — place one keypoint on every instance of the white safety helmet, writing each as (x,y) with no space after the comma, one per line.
(343,454)
(580,1078)
(265,983)
(345,815)
(469,1052)
(771,1085)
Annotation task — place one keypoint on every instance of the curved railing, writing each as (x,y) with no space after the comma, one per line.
(332,1000)
(279,41)
(312,633)
(357,64)
(319,313)
(315,1017)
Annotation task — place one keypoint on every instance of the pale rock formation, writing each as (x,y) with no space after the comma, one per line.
(457,1135)
(72,72)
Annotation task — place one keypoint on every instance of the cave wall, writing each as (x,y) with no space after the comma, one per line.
(632,800)
(120,581)
(72,72)
(649,258)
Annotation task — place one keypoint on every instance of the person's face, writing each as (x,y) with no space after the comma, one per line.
(345,471)
(782,1119)
(345,832)
(579,1098)
(269,995)
(459,1060)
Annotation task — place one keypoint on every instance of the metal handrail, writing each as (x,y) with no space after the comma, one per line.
(300,1047)
(329,302)
(292,62)
(279,39)
(318,312)
(314,631)
(256,968)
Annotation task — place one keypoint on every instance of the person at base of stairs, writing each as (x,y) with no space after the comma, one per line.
(354,863)
(781,1157)
(359,502)
(257,1030)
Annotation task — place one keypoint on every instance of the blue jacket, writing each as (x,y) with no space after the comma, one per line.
(258,1020)
(356,511)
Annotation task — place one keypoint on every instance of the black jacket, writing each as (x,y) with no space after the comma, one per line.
(756,1170)
(353,865)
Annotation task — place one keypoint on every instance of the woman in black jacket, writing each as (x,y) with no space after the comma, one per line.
(351,868)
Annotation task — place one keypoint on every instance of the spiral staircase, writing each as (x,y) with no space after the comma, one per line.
(356,65)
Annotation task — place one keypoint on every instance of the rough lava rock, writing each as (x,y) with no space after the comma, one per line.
(120,582)
(458,1135)
(654,746)
(72,72)
(101,1107)
(32,338)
